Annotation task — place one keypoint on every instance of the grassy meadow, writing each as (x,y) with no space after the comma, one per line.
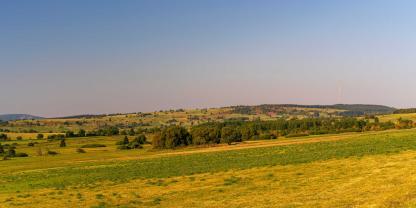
(372,169)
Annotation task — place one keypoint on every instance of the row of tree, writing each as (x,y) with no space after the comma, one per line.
(237,131)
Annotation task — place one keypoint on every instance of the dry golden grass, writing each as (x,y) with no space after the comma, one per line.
(371,181)
(376,180)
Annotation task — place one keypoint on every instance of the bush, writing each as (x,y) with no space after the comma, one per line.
(135,145)
(21,154)
(125,140)
(79,150)
(19,138)
(30,144)
(92,145)
(49,152)
(81,133)
(3,137)
(69,134)
(39,136)
(11,152)
(141,139)
(62,143)
(131,132)
(123,147)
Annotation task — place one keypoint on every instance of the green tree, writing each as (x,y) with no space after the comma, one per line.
(131,132)
(230,135)
(62,143)
(141,139)
(69,134)
(81,133)
(126,140)
(11,152)
(171,137)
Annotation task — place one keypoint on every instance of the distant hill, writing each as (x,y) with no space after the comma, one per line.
(361,109)
(12,117)
(345,109)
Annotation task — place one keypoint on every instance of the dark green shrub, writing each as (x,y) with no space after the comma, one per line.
(3,137)
(11,152)
(141,139)
(49,152)
(92,145)
(126,140)
(69,134)
(81,133)
(21,154)
(79,150)
(134,145)
(62,143)
(131,132)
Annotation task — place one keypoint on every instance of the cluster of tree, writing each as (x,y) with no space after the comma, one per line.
(7,151)
(130,132)
(81,133)
(237,131)
(171,137)
(62,143)
(136,143)
(52,137)
(4,137)
(105,131)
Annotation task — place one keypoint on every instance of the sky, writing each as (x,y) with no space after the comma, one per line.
(73,57)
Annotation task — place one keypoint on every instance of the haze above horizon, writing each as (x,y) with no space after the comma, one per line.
(60,58)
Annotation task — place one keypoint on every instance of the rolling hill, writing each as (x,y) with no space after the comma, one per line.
(13,117)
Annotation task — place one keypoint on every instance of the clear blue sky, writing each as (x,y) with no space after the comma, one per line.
(73,57)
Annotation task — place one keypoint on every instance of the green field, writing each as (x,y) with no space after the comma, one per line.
(289,172)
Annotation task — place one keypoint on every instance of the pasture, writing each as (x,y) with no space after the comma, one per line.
(372,169)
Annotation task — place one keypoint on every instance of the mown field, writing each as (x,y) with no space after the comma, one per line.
(373,169)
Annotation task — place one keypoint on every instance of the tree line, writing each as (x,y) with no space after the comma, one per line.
(237,131)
